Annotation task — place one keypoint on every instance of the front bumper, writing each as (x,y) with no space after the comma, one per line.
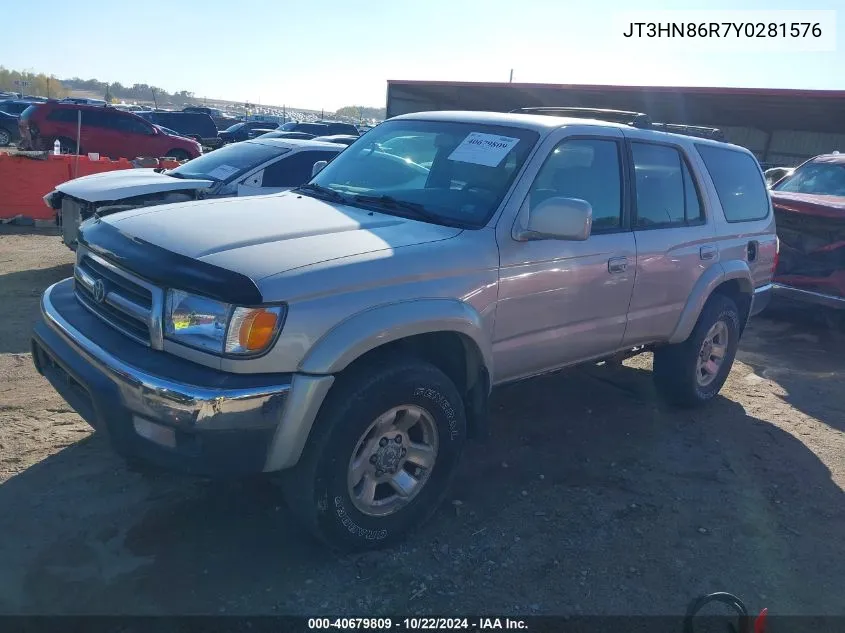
(798,295)
(162,408)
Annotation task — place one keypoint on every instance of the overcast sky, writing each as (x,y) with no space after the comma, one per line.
(333,53)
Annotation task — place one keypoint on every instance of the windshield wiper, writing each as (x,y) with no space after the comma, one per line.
(414,208)
(322,192)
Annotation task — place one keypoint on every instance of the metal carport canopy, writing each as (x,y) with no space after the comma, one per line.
(764,109)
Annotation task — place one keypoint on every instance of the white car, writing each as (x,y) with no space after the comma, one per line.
(248,168)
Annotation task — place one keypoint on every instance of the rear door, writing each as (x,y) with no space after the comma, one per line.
(675,236)
(135,137)
(746,225)
(102,132)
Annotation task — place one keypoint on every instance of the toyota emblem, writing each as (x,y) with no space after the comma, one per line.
(99,291)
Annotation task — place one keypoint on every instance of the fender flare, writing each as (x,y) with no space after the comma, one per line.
(712,278)
(377,326)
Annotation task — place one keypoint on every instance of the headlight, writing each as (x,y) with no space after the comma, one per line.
(220,328)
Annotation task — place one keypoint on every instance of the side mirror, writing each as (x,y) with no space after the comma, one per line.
(318,167)
(560,219)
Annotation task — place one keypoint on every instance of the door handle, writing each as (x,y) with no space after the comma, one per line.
(708,252)
(617,264)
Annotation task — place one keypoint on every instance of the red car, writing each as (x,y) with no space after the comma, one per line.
(809,210)
(105,130)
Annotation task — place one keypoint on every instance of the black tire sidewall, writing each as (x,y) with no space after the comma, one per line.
(720,309)
(69,145)
(423,385)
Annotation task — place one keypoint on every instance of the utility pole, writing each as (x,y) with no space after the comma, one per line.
(510,81)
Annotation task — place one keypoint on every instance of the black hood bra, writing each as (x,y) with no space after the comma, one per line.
(166,268)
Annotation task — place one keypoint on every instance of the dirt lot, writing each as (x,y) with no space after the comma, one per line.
(590,497)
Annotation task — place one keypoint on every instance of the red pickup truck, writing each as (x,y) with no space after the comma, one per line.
(809,209)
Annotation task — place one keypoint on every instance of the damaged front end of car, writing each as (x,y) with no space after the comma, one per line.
(811,265)
(71,212)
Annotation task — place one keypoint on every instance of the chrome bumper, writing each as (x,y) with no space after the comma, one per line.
(166,409)
(178,403)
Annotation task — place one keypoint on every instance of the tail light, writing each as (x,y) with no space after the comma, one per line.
(777,255)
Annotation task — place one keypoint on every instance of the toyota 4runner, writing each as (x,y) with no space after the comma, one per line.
(348,332)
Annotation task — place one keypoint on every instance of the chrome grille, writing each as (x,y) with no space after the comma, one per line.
(128,303)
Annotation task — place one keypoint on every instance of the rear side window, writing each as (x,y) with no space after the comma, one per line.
(738,182)
(666,192)
(294,170)
(63,115)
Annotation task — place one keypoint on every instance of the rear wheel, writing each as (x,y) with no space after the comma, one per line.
(691,373)
(68,146)
(381,456)
(5,137)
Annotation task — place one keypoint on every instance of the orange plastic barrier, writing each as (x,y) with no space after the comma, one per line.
(24,181)
(88,167)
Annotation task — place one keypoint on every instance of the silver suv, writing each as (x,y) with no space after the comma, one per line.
(348,332)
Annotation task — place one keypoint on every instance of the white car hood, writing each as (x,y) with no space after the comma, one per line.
(261,236)
(126,183)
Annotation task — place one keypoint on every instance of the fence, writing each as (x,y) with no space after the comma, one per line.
(25,180)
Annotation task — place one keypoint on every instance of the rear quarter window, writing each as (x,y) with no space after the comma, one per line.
(63,115)
(738,181)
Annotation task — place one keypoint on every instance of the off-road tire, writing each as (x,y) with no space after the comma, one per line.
(675,365)
(316,488)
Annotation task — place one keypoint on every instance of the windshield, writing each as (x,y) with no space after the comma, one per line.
(235,127)
(456,173)
(818,178)
(228,162)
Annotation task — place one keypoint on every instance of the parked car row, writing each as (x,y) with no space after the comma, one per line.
(119,132)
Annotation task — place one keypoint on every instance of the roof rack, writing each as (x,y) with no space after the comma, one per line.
(634,119)
(698,131)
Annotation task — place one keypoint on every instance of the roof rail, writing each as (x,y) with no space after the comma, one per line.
(699,131)
(634,119)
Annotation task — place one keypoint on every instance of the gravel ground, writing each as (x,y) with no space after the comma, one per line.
(590,497)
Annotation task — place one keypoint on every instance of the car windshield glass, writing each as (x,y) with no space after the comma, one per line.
(228,162)
(455,172)
(235,127)
(818,178)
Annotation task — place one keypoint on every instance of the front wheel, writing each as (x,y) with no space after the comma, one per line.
(381,456)
(691,373)
(5,137)
(178,154)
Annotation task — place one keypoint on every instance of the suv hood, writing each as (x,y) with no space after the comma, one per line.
(260,236)
(127,183)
